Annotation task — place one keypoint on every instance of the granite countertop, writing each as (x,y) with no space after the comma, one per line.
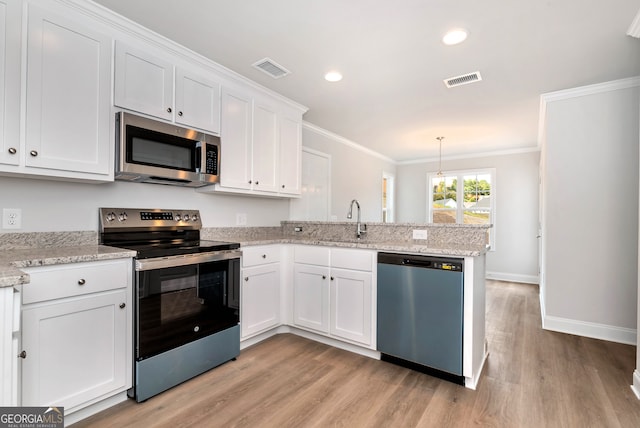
(11,261)
(415,246)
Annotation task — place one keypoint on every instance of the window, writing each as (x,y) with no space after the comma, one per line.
(471,203)
(387,197)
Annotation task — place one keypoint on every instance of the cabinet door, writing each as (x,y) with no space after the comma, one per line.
(9,81)
(75,349)
(143,83)
(235,135)
(265,147)
(68,95)
(290,152)
(311,297)
(351,305)
(260,309)
(197,102)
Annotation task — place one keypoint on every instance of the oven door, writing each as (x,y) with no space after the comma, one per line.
(184,298)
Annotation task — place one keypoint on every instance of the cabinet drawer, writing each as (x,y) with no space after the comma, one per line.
(54,282)
(352,259)
(255,256)
(312,255)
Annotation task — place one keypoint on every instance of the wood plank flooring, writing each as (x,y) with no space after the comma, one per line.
(533,378)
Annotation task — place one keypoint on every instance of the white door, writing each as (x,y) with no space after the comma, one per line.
(197,101)
(260,308)
(290,154)
(235,135)
(75,350)
(314,202)
(351,305)
(265,147)
(68,95)
(9,81)
(311,297)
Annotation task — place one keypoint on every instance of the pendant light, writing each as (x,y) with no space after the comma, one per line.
(439,174)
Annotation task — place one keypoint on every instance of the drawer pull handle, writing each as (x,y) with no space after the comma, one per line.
(123,305)
(81,281)
(22,354)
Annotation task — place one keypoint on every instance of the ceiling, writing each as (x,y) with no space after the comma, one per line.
(392,98)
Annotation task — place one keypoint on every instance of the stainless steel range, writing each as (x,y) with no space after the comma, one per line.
(186,317)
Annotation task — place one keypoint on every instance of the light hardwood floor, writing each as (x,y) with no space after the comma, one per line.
(533,378)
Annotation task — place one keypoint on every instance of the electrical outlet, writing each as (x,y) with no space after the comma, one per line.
(241,219)
(11,218)
(419,234)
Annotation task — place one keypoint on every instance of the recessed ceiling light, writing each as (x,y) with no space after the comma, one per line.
(455,36)
(333,76)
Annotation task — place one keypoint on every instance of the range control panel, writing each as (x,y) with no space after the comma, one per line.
(146,218)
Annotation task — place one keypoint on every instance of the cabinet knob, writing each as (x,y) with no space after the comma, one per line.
(257,182)
(33,153)
(180,113)
(12,150)
(250,181)
(331,278)
(264,256)
(283,186)
(122,305)
(169,110)
(22,354)
(81,281)
(246,278)
(324,276)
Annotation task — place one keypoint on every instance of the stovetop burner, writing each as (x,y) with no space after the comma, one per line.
(156,232)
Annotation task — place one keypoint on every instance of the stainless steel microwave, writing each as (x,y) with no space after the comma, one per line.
(149,151)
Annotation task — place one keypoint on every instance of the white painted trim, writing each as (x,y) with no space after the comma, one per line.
(513,277)
(581,91)
(472,382)
(588,329)
(339,139)
(127,26)
(635,387)
(634,28)
(472,155)
(91,410)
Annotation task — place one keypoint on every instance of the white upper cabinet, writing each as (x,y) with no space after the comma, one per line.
(9,81)
(235,135)
(143,83)
(68,103)
(290,152)
(197,101)
(261,145)
(265,146)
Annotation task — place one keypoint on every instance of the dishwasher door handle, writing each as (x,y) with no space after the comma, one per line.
(418,263)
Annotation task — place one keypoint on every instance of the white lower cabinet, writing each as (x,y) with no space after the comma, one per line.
(260,290)
(76,334)
(333,292)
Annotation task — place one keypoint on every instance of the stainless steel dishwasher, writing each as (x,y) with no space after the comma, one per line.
(420,313)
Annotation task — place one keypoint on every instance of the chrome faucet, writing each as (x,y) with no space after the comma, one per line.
(360,228)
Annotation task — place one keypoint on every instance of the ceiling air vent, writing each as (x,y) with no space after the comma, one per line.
(463,80)
(271,67)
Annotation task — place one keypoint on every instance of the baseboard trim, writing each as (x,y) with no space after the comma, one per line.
(513,277)
(636,383)
(91,410)
(611,333)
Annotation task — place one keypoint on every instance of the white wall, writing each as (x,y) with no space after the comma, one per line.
(515,256)
(590,216)
(355,173)
(65,206)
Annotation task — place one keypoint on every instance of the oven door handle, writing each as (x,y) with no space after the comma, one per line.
(185,259)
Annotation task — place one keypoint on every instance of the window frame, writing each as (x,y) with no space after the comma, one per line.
(459,175)
(388,211)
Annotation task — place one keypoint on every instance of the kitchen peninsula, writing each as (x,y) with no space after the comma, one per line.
(278,257)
